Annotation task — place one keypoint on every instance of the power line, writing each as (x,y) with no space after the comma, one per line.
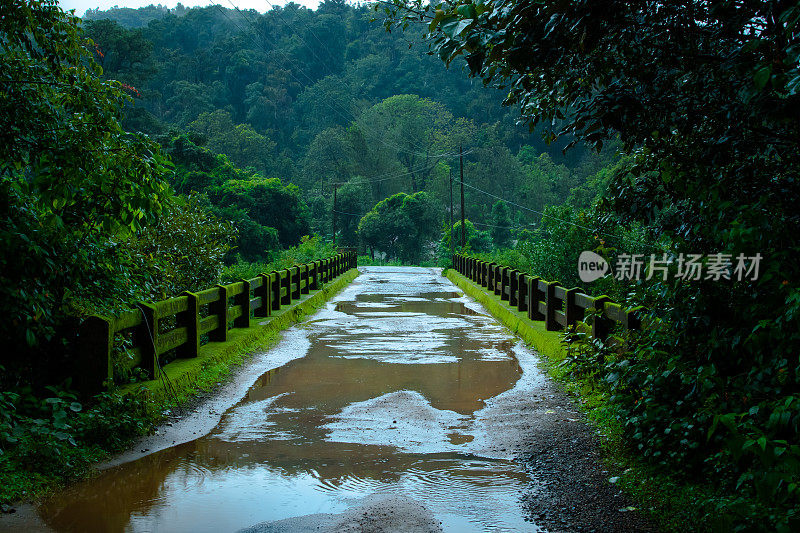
(351,214)
(400,174)
(502,227)
(545,215)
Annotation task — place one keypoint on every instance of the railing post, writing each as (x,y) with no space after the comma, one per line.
(295,284)
(490,276)
(550,322)
(522,285)
(264,292)
(304,277)
(96,337)
(504,283)
(513,288)
(286,283)
(601,326)
(220,309)
(189,319)
(275,288)
(242,300)
(535,296)
(313,276)
(572,312)
(147,338)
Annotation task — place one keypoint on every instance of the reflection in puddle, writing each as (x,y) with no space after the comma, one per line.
(382,403)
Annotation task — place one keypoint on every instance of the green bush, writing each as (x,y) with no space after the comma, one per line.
(310,249)
(53,439)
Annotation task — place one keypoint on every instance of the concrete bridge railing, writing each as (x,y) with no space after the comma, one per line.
(559,307)
(180,323)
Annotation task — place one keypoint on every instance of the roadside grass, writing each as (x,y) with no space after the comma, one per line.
(672,502)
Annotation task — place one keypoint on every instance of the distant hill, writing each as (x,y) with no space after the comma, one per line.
(134,17)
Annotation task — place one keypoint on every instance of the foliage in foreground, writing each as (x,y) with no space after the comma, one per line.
(90,225)
(51,437)
(73,183)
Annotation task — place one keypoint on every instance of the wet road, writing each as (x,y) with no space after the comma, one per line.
(400,388)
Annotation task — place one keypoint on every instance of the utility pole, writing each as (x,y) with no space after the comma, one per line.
(335,188)
(450,231)
(463,226)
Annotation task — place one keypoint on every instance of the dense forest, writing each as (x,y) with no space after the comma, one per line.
(320,99)
(144,152)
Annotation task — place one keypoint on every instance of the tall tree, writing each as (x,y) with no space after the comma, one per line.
(401,226)
(501,225)
(70,176)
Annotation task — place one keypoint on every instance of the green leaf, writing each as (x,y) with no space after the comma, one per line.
(761,77)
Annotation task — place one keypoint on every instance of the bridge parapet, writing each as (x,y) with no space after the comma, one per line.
(186,322)
(559,307)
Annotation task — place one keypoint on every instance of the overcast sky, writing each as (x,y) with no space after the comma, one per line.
(80,6)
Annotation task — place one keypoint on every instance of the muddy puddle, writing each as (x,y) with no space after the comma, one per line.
(386,395)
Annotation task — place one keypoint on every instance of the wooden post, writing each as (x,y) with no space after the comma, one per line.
(522,290)
(265,293)
(313,277)
(275,287)
(504,282)
(242,300)
(220,308)
(295,284)
(601,326)
(286,283)
(304,287)
(535,295)
(189,319)
(147,338)
(572,312)
(96,371)
(513,288)
(552,304)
